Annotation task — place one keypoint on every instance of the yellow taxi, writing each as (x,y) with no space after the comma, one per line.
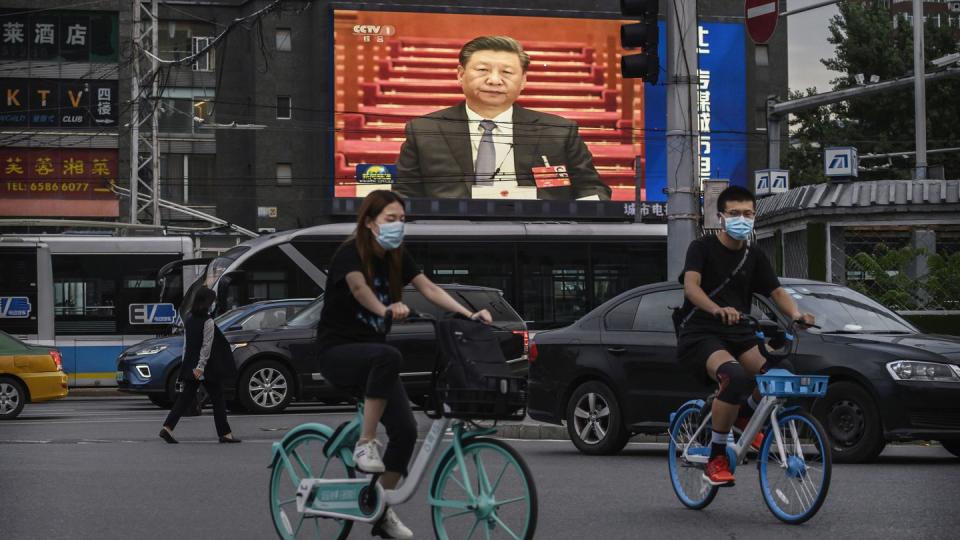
(28,373)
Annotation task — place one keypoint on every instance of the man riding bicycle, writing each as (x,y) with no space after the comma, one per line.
(710,339)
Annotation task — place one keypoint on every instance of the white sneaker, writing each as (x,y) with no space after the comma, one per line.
(367,456)
(390,526)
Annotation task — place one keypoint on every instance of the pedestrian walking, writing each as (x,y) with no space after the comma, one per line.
(207,359)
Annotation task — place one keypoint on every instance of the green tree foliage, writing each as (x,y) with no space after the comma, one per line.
(885,277)
(866,42)
(943,280)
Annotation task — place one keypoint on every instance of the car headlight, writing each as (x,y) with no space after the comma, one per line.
(235,346)
(910,370)
(143,370)
(153,349)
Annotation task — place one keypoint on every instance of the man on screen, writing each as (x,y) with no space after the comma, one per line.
(488,144)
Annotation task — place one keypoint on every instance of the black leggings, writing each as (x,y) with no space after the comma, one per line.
(375,368)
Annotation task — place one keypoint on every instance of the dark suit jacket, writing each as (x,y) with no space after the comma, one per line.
(436,160)
(220,366)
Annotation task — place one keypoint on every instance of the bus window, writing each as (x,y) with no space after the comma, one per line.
(92,293)
(618,268)
(487,265)
(272,275)
(18,279)
(554,283)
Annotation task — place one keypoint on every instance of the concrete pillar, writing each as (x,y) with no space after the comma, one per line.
(925,240)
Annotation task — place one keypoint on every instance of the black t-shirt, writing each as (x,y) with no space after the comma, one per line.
(715,262)
(343,319)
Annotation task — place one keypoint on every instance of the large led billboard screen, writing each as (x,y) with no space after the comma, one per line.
(576,132)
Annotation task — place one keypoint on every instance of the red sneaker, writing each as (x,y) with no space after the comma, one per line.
(718,472)
(741,424)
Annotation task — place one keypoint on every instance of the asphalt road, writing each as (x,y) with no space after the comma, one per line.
(94,468)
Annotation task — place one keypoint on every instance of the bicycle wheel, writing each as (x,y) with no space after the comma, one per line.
(795,489)
(495,496)
(305,452)
(685,476)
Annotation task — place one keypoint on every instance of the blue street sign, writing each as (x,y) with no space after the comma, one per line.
(152,314)
(840,161)
(15,307)
(770,182)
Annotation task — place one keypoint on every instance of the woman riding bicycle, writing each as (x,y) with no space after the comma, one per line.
(365,280)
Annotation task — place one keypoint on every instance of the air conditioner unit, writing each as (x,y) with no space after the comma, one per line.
(953,7)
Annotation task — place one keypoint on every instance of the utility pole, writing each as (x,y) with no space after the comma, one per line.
(144,146)
(683,146)
(919,92)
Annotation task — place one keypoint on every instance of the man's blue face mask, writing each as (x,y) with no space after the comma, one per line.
(390,235)
(739,227)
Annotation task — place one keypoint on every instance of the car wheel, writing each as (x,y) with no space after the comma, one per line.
(952,446)
(12,398)
(266,387)
(594,421)
(160,400)
(852,423)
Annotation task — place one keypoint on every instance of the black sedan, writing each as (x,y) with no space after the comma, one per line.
(279,365)
(614,372)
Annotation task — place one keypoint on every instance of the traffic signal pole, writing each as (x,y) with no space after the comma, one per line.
(683,147)
(919,93)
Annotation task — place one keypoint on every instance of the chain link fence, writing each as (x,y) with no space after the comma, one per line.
(906,268)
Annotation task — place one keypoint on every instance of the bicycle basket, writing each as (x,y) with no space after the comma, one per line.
(782,383)
(498,398)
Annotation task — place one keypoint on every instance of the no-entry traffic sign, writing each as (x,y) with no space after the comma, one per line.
(761,16)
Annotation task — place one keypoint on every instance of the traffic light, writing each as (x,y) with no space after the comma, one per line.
(643,34)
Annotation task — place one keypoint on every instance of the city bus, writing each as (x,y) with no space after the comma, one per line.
(551,273)
(75,293)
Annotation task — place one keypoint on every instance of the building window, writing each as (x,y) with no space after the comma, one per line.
(181,115)
(205,61)
(283,107)
(283,39)
(177,39)
(284,174)
(762,55)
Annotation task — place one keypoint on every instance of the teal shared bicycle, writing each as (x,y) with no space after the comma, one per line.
(480,487)
(794,460)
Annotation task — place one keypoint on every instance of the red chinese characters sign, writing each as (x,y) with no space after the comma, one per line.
(38,181)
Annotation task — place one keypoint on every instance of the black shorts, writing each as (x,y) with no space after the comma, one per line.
(694,349)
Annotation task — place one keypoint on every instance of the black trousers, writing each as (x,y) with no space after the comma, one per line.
(190,387)
(375,368)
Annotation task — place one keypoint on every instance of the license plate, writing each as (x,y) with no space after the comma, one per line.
(120,376)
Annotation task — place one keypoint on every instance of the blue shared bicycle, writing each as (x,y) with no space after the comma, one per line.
(794,460)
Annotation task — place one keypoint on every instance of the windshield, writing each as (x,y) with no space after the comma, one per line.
(841,310)
(223,321)
(309,317)
(10,343)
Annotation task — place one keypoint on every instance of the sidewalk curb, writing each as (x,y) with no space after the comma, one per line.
(535,431)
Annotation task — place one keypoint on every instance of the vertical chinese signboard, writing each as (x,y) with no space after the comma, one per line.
(58,181)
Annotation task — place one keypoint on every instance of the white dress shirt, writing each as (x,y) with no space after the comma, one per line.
(502,142)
